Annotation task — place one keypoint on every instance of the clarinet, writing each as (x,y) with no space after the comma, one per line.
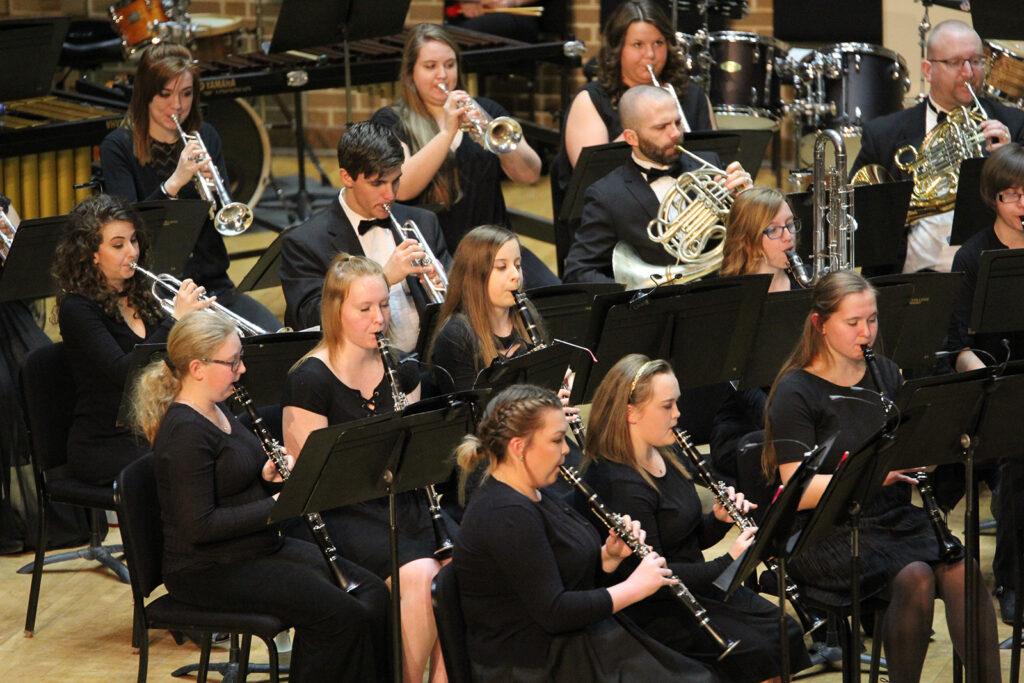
(441,535)
(721,495)
(614,522)
(949,547)
(535,341)
(316,523)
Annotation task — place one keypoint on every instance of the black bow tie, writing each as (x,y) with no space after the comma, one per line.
(366,226)
(653,174)
(940,116)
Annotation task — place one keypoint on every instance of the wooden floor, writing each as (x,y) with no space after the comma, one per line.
(83,628)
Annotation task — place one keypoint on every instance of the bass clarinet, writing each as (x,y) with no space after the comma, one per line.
(316,523)
(614,522)
(441,536)
(721,495)
(949,547)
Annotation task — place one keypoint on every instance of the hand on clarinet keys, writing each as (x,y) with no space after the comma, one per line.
(901,476)
(652,574)
(616,547)
(742,542)
(270,472)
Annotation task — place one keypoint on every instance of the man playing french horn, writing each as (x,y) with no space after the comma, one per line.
(619,207)
(954,67)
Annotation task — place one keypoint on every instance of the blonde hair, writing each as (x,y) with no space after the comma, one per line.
(517,411)
(828,296)
(467,290)
(751,213)
(628,383)
(197,335)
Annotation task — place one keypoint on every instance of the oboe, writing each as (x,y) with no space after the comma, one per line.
(949,547)
(316,523)
(614,522)
(441,535)
(721,495)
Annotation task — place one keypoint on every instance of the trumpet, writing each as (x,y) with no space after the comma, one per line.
(7,231)
(171,284)
(233,218)
(410,230)
(498,136)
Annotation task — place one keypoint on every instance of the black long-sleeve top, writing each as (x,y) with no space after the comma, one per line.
(457,350)
(526,570)
(124,176)
(214,500)
(672,516)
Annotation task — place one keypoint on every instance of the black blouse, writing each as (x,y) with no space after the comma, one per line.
(457,351)
(313,387)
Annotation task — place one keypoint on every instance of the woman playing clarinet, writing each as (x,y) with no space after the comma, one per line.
(216,491)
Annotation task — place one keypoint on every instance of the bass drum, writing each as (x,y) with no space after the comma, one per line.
(746,79)
(246,148)
(1005,71)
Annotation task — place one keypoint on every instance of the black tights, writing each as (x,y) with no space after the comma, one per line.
(908,619)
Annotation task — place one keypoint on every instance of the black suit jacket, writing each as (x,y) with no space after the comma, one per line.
(886,134)
(618,208)
(307,251)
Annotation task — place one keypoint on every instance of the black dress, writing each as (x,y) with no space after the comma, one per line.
(455,349)
(99,350)
(677,529)
(220,553)
(807,409)
(528,577)
(360,531)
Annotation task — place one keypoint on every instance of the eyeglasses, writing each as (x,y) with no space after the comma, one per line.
(957,63)
(1009,197)
(233,364)
(774,232)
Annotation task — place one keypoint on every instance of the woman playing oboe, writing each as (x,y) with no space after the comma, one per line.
(824,389)
(531,570)
(214,483)
(632,466)
(343,379)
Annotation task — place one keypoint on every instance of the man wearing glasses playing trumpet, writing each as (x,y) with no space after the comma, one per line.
(955,71)
(365,221)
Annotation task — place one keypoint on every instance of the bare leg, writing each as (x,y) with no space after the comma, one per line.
(908,622)
(950,581)
(438,674)
(419,632)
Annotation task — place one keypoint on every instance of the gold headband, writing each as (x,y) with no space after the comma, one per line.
(637,376)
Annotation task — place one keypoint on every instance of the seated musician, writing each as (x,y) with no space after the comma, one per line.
(370,160)
(825,388)
(632,465)
(341,380)
(955,57)
(104,308)
(445,170)
(146,160)
(498,17)
(1002,188)
(532,572)
(214,484)
(619,206)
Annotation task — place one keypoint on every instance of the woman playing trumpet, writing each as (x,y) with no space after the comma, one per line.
(632,466)
(104,309)
(343,379)
(445,170)
(146,159)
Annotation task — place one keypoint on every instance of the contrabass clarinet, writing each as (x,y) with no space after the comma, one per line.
(441,535)
(316,523)
(721,495)
(949,547)
(614,522)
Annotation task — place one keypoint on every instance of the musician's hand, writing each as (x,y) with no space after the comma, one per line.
(742,542)
(399,264)
(739,500)
(190,162)
(902,476)
(430,272)
(651,574)
(472,9)
(270,472)
(996,134)
(187,299)
(456,110)
(736,179)
(615,547)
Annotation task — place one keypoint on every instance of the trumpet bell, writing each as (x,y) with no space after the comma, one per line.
(503,135)
(233,219)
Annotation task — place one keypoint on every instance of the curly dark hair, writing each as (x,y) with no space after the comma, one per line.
(75,271)
(609,59)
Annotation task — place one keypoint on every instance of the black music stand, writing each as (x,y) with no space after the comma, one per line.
(717,316)
(565,309)
(174,227)
(781,321)
(1000,19)
(373,458)
(774,539)
(544,367)
(594,163)
(971,214)
(997,305)
(922,320)
(266,272)
(31,48)
(430,316)
(26,272)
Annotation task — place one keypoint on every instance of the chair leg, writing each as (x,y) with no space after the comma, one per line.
(204,658)
(243,658)
(876,646)
(37,566)
(143,653)
(95,552)
(273,661)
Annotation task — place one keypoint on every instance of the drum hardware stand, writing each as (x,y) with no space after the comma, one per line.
(922,31)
